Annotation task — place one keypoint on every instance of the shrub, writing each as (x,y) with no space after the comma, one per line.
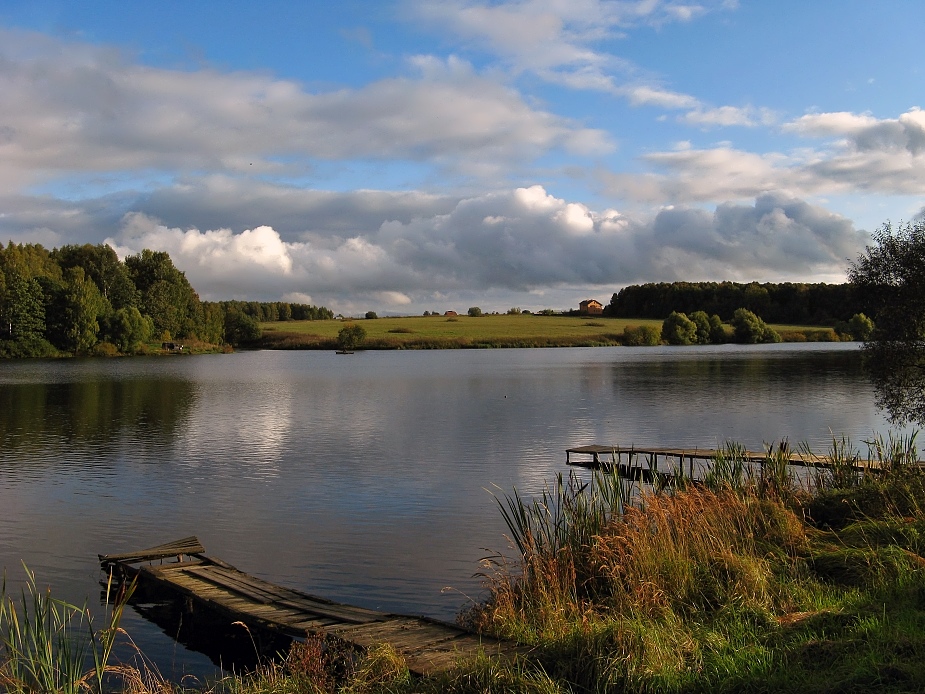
(105,349)
(678,329)
(861,327)
(702,321)
(350,336)
(641,336)
(750,329)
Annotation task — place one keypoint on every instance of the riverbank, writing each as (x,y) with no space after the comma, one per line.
(492,331)
(749,582)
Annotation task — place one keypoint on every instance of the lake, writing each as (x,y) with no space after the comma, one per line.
(363,478)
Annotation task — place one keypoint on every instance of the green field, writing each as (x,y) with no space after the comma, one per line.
(442,332)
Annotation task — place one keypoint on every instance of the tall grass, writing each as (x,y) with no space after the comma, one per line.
(49,645)
(719,585)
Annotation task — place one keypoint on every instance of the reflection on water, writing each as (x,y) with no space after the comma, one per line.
(362,479)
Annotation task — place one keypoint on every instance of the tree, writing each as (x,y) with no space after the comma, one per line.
(350,336)
(240,328)
(370,315)
(750,329)
(102,265)
(717,330)
(166,294)
(22,308)
(82,305)
(678,329)
(475,311)
(889,276)
(861,327)
(702,322)
(128,329)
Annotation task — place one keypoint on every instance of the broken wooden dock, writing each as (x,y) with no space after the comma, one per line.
(429,646)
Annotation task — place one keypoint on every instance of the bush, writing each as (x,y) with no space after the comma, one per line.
(750,329)
(678,329)
(641,336)
(861,327)
(105,349)
(350,336)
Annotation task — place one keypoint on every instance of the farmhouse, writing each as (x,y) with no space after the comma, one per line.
(590,307)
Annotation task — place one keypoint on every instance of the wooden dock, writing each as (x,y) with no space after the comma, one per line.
(429,646)
(645,463)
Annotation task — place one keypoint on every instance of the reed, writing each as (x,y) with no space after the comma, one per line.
(47,643)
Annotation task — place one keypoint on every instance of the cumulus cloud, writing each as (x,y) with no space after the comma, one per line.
(522,240)
(72,108)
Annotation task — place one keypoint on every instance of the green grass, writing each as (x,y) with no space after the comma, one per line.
(442,332)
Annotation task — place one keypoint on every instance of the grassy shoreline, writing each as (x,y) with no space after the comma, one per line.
(747,581)
(494,331)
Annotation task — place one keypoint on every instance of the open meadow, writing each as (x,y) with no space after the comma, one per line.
(449,332)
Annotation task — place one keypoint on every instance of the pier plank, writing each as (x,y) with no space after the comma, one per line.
(429,645)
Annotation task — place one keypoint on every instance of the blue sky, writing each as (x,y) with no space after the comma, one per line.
(412,156)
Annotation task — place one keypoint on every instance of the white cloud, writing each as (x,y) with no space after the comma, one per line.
(645,95)
(520,240)
(68,108)
(861,154)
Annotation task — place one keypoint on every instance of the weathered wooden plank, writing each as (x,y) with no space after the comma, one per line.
(188,545)
(428,644)
(296,599)
(225,579)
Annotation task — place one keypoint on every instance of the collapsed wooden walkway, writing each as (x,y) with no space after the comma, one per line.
(429,646)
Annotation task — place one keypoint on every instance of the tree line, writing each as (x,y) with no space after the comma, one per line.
(794,303)
(81,299)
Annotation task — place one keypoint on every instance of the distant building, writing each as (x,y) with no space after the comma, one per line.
(590,307)
(451,313)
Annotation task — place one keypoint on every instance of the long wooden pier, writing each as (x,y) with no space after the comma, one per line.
(645,463)
(429,646)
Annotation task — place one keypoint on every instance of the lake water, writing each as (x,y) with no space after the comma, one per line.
(362,478)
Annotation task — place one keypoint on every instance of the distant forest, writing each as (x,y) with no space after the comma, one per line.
(789,303)
(83,300)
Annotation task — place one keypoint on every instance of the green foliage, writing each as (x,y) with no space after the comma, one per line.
(350,336)
(678,329)
(101,265)
(371,315)
(702,321)
(861,327)
(129,329)
(750,329)
(166,295)
(514,311)
(641,336)
(241,328)
(789,303)
(22,310)
(890,277)
(82,304)
(474,311)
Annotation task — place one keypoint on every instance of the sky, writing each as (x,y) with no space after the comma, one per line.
(402,156)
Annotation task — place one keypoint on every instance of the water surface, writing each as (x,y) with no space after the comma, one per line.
(362,478)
